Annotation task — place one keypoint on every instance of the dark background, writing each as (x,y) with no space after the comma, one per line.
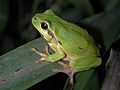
(16,28)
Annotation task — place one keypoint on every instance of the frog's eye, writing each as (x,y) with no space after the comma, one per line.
(44,25)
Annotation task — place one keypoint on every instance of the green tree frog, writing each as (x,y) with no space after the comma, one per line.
(69,41)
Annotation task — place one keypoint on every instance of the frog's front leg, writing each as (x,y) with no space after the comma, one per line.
(37,52)
(47,49)
(59,54)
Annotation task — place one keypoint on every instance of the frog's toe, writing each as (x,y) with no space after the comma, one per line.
(66,69)
(37,52)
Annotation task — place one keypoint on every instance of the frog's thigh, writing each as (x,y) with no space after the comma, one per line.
(85,63)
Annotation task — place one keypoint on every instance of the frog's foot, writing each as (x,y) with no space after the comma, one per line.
(66,69)
(46,49)
(40,54)
(37,52)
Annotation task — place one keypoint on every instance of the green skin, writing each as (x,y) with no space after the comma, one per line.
(69,41)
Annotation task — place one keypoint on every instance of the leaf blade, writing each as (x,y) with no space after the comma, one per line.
(18,69)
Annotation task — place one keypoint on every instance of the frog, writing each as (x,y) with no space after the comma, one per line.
(70,43)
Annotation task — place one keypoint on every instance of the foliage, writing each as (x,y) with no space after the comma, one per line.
(18,69)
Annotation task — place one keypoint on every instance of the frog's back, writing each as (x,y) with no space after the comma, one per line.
(77,40)
(74,39)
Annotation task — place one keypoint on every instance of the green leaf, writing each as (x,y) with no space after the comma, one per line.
(112,4)
(84,5)
(78,9)
(84,81)
(107,25)
(18,69)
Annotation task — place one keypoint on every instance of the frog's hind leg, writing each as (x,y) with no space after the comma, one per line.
(85,63)
(66,69)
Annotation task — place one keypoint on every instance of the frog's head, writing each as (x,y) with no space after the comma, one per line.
(46,23)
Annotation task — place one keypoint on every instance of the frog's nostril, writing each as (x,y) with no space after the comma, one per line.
(35,18)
